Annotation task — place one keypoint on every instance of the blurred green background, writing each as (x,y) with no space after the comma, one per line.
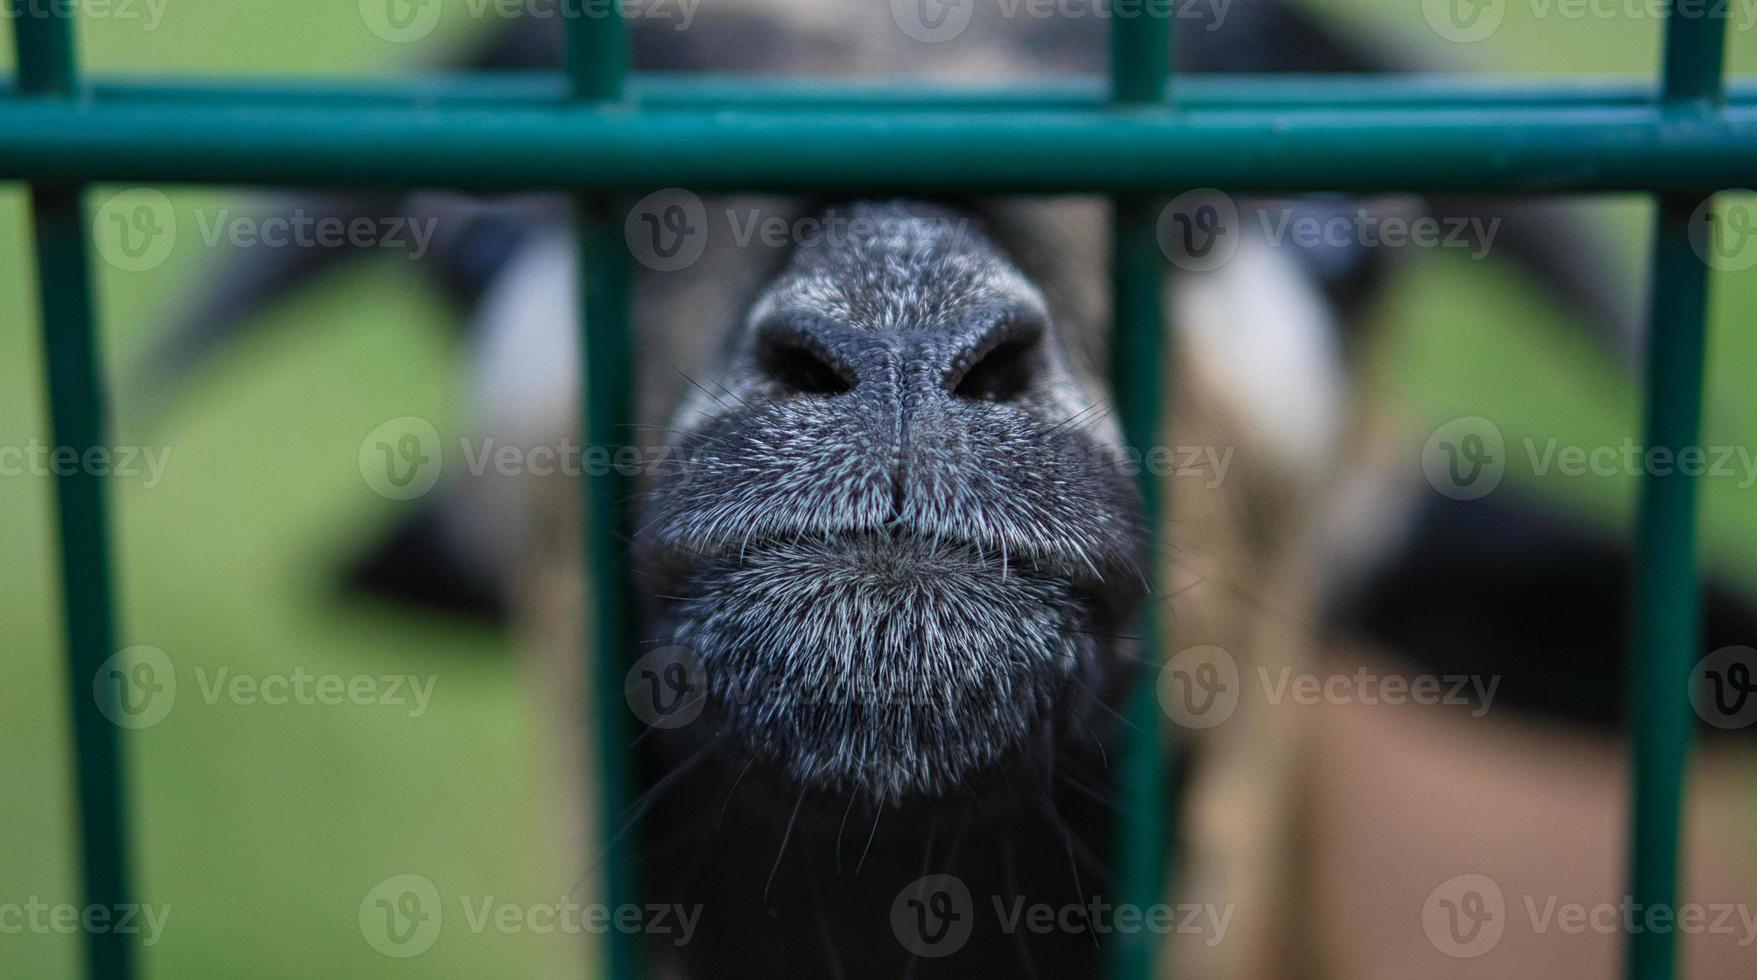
(263,827)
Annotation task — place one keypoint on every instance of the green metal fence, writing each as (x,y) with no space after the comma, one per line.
(603,132)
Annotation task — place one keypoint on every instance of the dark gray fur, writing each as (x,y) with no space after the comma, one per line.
(911,555)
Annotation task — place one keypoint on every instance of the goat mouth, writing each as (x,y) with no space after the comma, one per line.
(892,663)
(899,552)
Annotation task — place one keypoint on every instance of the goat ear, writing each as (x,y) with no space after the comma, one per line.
(1506,586)
(417,567)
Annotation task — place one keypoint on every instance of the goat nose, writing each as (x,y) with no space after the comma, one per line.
(992,357)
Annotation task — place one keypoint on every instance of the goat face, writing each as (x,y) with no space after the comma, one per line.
(898,539)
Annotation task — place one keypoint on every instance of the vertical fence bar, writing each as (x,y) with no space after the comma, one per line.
(46,67)
(1140,63)
(597,64)
(1666,623)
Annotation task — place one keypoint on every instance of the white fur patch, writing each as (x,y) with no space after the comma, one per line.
(1262,330)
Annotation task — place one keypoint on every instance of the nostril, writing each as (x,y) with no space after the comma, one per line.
(801,370)
(1002,374)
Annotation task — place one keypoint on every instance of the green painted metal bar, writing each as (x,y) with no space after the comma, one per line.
(1547,151)
(1695,57)
(608,403)
(660,90)
(598,54)
(1666,628)
(597,61)
(1140,66)
(1140,57)
(47,68)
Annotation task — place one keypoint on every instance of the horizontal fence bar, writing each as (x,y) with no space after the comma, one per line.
(671,91)
(1583,147)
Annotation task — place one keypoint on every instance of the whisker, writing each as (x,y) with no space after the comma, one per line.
(644,804)
(724,804)
(786,837)
(877,811)
(832,954)
(680,373)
